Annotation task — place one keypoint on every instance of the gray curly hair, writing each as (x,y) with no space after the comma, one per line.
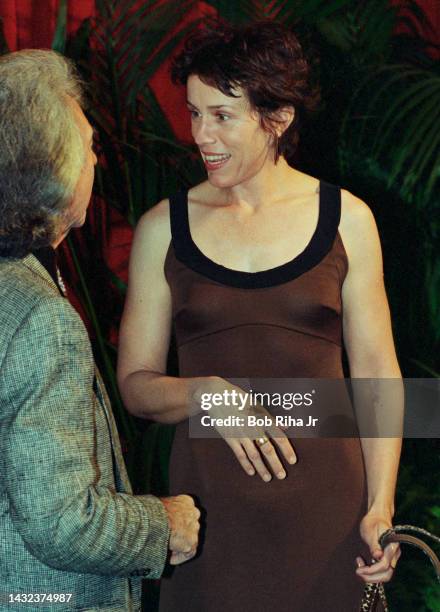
(41,150)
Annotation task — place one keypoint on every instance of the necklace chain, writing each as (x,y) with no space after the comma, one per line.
(60,282)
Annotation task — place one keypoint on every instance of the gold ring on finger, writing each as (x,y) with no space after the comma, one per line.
(261,441)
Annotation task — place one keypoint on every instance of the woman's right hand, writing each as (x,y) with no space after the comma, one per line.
(258,449)
(250,455)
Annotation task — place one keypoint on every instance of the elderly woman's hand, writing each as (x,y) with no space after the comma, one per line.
(383,562)
(257,448)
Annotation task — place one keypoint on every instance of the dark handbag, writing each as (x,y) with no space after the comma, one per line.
(374,599)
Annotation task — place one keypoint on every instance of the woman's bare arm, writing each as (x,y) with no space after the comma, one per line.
(370,347)
(145,330)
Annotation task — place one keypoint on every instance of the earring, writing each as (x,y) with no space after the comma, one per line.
(276,142)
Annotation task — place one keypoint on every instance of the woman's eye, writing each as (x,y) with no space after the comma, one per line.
(194,114)
(222,117)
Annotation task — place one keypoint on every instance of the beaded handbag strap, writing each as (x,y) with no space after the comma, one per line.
(399,534)
(374,598)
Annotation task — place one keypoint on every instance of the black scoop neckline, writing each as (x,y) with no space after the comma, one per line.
(319,245)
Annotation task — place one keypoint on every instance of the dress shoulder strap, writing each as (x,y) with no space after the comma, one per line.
(180,232)
(329,209)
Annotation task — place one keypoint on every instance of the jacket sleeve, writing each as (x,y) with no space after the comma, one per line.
(60,484)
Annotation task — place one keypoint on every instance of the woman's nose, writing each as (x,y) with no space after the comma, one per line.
(202,132)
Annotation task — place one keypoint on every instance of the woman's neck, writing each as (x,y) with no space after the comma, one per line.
(271,183)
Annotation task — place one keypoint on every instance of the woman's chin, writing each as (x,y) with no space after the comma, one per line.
(217,180)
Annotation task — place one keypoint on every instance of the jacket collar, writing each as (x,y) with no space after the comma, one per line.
(32,263)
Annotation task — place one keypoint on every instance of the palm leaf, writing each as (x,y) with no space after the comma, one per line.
(150,67)
(410,99)
(340,33)
(377,22)
(59,39)
(310,11)
(119,284)
(401,130)
(136,46)
(412,13)
(3,44)
(288,11)
(415,146)
(418,146)
(363,28)
(234,12)
(428,370)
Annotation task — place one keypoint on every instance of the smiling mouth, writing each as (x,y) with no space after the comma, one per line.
(213,162)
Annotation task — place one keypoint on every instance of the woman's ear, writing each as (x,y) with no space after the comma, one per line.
(282,119)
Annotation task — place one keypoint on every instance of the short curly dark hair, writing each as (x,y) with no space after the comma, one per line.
(265,59)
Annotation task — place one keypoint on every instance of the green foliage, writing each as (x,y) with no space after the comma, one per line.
(415,587)
(289,12)
(364,30)
(59,39)
(403,133)
(3,44)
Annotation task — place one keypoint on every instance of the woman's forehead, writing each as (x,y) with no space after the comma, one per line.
(199,90)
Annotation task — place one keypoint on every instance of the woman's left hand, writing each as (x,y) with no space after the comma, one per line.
(383,562)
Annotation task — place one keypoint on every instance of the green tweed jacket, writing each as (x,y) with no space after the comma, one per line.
(69,523)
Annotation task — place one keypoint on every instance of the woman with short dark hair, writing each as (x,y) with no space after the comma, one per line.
(262,269)
(266,61)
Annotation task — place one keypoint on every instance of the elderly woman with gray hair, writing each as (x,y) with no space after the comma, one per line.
(73,535)
(42,153)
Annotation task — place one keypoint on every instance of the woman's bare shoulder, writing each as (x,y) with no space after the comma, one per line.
(356,215)
(358,228)
(158,215)
(156,219)
(153,230)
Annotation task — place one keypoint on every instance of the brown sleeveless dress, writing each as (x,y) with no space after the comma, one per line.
(285,545)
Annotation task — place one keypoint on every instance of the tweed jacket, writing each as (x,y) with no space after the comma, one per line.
(68,520)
